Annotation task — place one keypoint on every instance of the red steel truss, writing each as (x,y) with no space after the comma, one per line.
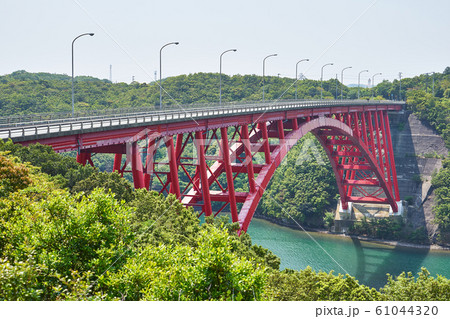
(199,162)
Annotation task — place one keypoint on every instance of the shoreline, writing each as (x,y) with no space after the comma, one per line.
(363,238)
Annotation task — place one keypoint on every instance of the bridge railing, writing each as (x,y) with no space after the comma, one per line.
(17,130)
(6,121)
(17,120)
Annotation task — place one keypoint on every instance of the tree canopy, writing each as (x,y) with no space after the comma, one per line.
(55,245)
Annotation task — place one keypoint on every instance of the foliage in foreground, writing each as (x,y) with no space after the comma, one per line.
(65,170)
(407,287)
(309,285)
(208,271)
(55,245)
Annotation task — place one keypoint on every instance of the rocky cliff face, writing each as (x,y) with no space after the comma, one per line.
(418,153)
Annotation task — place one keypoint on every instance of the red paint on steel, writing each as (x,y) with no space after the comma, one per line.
(391,155)
(174,185)
(117,162)
(360,154)
(385,149)
(229,174)
(248,158)
(200,144)
(265,136)
(136,167)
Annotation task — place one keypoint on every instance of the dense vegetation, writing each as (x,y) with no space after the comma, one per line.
(304,184)
(23,93)
(58,245)
(441,183)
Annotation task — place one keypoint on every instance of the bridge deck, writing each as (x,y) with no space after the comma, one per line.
(183,120)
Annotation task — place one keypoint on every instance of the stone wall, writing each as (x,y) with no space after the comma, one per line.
(418,152)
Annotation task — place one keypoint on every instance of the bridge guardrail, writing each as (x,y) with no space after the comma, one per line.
(17,130)
(45,117)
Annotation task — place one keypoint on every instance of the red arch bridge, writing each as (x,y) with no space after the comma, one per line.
(196,153)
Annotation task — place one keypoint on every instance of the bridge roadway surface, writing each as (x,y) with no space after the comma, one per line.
(355,135)
(64,134)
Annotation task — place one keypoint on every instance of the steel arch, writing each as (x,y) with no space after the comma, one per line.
(351,146)
(235,141)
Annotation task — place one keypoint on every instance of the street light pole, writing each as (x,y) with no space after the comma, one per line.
(400,88)
(220,75)
(264,69)
(160,71)
(321,79)
(296,75)
(73,99)
(359,78)
(373,76)
(342,78)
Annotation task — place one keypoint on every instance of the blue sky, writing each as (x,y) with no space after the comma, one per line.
(386,36)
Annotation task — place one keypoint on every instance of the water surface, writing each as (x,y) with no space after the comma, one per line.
(367,261)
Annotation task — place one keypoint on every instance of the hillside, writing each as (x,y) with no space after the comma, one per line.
(23,93)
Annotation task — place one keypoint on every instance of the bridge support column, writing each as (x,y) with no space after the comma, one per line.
(294,124)
(137,168)
(400,209)
(150,162)
(265,137)
(178,146)
(84,158)
(391,154)
(202,169)
(117,163)
(280,130)
(385,151)
(229,174)
(371,137)
(345,212)
(248,158)
(174,184)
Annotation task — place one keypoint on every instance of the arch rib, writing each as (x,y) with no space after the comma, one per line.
(317,127)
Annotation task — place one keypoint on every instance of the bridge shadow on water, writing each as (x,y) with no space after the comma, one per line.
(374,261)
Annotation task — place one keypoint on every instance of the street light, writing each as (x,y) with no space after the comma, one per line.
(73,104)
(296,75)
(264,69)
(373,76)
(321,79)
(342,78)
(220,75)
(359,77)
(160,71)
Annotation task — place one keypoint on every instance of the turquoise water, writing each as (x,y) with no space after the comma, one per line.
(368,262)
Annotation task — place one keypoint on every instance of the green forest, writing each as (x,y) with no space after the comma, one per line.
(69,232)
(24,93)
(69,236)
